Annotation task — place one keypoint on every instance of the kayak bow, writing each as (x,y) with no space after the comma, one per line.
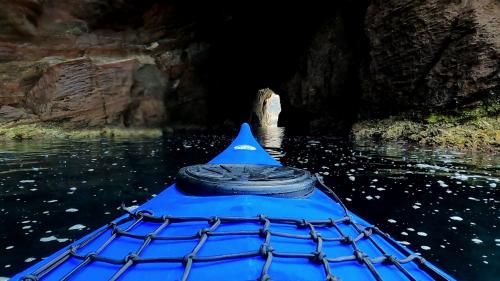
(242,216)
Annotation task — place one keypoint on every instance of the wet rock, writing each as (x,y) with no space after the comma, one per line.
(82,92)
(148,97)
(431,55)
(266,109)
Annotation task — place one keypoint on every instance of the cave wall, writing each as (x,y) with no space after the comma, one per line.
(199,64)
(96,63)
(430,55)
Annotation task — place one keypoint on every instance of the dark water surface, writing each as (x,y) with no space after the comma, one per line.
(442,204)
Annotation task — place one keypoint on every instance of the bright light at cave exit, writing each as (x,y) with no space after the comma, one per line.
(273,109)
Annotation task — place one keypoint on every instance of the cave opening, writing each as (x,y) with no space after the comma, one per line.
(260,45)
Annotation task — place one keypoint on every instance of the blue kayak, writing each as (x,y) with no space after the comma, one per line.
(242,216)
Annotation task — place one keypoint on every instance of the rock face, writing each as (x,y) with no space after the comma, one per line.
(96,63)
(266,109)
(177,63)
(431,55)
(326,84)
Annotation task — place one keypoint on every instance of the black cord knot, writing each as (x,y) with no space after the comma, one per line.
(360,256)
(263,232)
(213,220)
(265,250)
(390,259)
(367,231)
(347,240)
(203,231)
(116,231)
(143,213)
(262,218)
(302,223)
(187,258)
(91,255)
(131,257)
(347,220)
(318,257)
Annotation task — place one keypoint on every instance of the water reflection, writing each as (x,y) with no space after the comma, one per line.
(444,204)
(271,139)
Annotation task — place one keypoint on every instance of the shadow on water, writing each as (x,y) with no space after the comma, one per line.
(441,203)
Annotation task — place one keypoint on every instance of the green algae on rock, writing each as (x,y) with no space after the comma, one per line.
(51,131)
(478,134)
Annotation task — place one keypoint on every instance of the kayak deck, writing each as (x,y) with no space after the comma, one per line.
(176,236)
(183,243)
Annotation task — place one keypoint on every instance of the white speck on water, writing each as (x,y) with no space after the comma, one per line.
(432,167)
(48,239)
(497,240)
(71,210)
(348,199)
(415,207)
(26,227)
(404,233)
(421,233)
(72,188)
(77,227)
(131,208)
(410,229)
(52,201)
(456,218)
(425,248)
(7,266)
(485,262)
(460,177)
(380,189)
(90,170)
(9,247)
(441,183)
(369,197)
(391,221)
(352,178)
(493,184)
(474,199)
(29,259)
(477,241)
(26,181)
(404,243)
(23,222)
